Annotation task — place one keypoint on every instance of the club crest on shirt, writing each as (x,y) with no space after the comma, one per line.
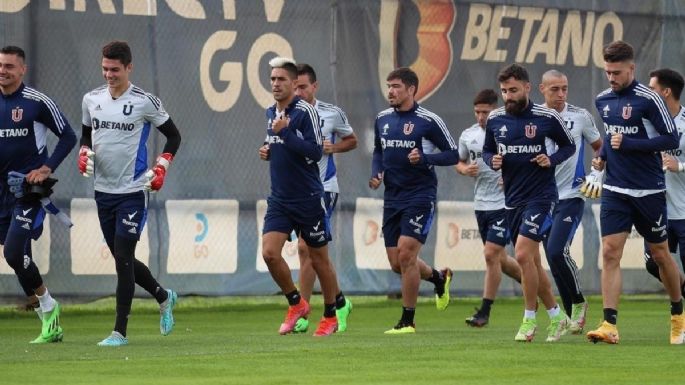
(408,128)
(626,112)
(17,114)
(530,130)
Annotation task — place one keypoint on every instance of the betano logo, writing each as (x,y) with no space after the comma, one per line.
(547,34)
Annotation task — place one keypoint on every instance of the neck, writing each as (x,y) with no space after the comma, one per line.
(116,92)
(673,106)
(283,104)
(557,109)
(406,106)
(8,90)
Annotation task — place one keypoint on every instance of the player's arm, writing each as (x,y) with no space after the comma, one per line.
(441,137)
(376,160)
(491,155)
(52,117)
(310,145)
(562,137)
(342,128)
(663,123)
(463,167)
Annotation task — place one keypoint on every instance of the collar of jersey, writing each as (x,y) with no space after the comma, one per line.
(627,89)
(17,92)
(414,107)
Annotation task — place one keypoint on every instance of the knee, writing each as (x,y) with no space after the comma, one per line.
(492,258)
(14,255)
(522,258)
(406,259)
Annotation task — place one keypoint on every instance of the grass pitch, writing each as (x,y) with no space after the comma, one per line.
(236,341)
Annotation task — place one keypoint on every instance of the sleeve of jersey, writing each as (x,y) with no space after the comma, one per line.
(442,138)
(377,160)
(342,126)
(154,111)
(663,123)
(55,120)
(489,147)
(562,137)
(309,145)
(590,131)
(85,113)
(463,150)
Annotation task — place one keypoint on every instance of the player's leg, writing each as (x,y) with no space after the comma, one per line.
(277,229)
(650,221)
(493,232)
(307,274)
(616,222)
(107,214)
(566,219)
(26,223)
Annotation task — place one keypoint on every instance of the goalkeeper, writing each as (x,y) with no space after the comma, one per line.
(571,185)
(116,124)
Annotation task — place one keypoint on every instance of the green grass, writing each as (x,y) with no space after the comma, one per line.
(235,341)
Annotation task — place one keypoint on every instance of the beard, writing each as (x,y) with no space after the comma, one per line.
(515,107)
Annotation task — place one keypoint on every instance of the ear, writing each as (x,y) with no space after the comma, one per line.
(541,88)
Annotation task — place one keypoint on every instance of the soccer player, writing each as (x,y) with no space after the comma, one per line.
(337,137)
(669,85)
(116,124)
(489,207)
(406,137)
(638,126)
(517,141)
(294,146)
(568,212)
(28,115)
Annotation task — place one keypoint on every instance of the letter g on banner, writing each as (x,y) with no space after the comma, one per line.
(437,18)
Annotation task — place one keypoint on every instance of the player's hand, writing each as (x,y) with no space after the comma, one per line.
(616,140)
(327,147)
(264,153)
(414,156)
(542,160)
(155,176)
(497,162)
(670,163)
(376,181)
(38,175)
(86,161)
(280,123)
(471,170)
(592,186)
(598,163)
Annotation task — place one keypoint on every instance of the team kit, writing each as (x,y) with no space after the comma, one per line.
(526,159)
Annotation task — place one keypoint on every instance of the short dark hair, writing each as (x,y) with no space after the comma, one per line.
(486,96)
(406,75)
(618,51)
(306,69)
(515,71)
(669,78)
(118,50)
(13,50)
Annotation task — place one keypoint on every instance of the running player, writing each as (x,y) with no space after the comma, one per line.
(568,212)
(406,137)
(489,206)
(338,137)
(116,124)
(518,141)
(638,126)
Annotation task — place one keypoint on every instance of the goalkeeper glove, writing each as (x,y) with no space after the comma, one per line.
(592,186)
(86,158)
(155,176)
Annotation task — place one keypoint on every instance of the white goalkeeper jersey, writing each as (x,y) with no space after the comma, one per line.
(334,125)
(675,181)
(120,128)
(488,194)
(570,174)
